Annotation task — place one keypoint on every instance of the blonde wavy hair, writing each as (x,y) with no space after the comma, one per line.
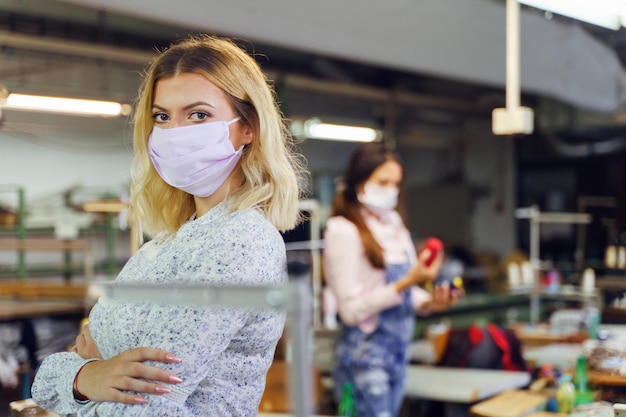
(272,173)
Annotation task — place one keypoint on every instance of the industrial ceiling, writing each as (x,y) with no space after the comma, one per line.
(399,63)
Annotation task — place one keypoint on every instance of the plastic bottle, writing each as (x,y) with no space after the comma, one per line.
(346,403)
(581,381)
(592,316)
(580,376)
(566,394)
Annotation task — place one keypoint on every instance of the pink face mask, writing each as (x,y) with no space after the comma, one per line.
(197,158)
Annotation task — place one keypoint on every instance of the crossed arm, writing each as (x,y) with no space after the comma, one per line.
(107,380)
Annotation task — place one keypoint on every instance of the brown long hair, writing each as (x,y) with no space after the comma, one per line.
(364,160)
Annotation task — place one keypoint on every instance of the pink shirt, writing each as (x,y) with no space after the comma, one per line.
(360,290)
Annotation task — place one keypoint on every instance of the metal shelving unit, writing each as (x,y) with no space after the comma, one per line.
(17,238)
(536,218)
(20,229)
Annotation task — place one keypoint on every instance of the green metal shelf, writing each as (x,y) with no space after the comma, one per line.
(19,231)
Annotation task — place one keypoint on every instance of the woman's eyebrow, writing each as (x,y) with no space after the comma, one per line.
(187,107)
(198,103)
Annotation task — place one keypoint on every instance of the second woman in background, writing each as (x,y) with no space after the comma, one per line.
(371,268)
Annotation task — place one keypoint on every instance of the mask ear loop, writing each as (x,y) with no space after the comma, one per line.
(243,147)
(236,119)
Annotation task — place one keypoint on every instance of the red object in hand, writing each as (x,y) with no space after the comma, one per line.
(435,246)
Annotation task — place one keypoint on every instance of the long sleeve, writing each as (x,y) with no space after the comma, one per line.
(419,297)
(53,387)
(360,290)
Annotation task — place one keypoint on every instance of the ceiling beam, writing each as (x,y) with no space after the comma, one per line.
(74,48)
(298,82)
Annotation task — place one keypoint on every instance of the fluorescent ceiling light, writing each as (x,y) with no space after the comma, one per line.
(65,105)
(606,13)
(315,129)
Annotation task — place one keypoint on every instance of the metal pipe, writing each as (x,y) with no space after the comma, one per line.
(21,232)
(535,261)
(512,54)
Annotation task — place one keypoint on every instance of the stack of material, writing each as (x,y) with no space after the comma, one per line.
(607,355)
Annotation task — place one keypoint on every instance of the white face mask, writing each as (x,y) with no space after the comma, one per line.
(197,158)
(379,198)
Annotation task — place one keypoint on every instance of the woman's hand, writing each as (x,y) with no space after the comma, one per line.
(442,298)
(427,273)
(107,380)
(421,273)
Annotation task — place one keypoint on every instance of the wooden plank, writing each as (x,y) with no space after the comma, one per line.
(514,403)
(606,378)
(27,289)
(44,244)
(543,335)
(105,206)
(17,309)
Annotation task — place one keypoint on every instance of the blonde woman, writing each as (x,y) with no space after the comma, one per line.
(214,182)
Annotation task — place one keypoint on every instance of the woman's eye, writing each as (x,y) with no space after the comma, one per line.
(160,117)
(198,116)
(389,183)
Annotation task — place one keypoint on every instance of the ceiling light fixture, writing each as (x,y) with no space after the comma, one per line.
(314,128)
(64,105)
(606,13)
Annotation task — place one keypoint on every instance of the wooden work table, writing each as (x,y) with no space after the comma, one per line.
(606,378)
(12,309)
(37,298)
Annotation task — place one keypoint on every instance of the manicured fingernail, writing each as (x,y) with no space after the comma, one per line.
(140,400)
(173,358)
(162,390)
(175,379)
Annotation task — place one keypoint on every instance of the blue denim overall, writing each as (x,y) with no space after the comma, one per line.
(376,363)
